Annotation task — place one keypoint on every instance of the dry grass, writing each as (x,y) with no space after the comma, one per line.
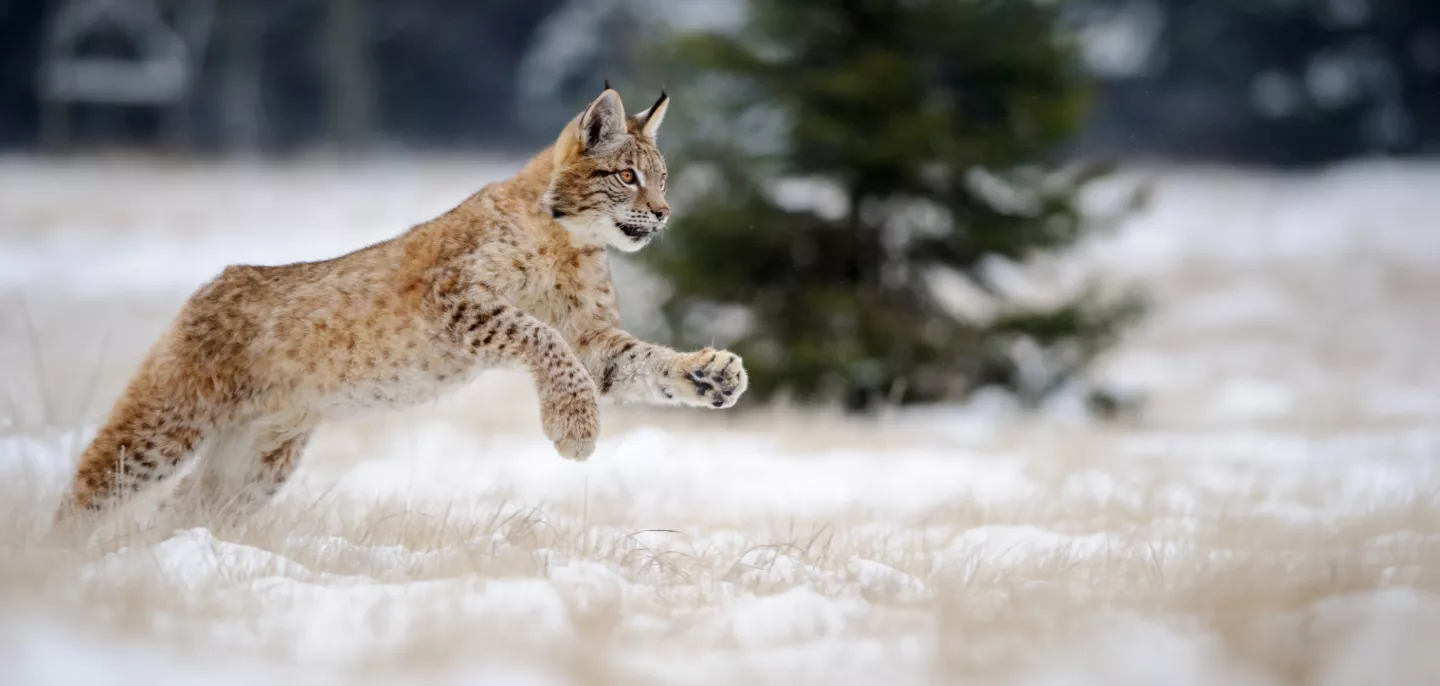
(605,591)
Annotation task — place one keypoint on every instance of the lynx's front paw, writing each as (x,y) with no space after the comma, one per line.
(708,378)
(572,421)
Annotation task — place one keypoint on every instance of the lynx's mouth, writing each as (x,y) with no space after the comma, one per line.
(636,231)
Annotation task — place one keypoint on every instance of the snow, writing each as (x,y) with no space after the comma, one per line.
(1360,211)
(1270,519)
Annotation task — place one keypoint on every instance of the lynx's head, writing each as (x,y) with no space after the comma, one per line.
(609,178)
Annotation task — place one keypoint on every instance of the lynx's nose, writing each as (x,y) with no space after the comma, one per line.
(661,213)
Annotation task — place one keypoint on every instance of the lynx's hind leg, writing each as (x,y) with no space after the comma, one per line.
(243,471)
(145,440)
(195,380)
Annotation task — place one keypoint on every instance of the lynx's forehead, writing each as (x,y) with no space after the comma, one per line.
(641,156)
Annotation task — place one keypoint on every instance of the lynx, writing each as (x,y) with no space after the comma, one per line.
(515,275)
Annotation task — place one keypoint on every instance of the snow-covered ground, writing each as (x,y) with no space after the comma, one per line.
(1273,518)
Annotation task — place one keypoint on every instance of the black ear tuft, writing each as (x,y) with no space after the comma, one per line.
(650,119)
(607,85)
(663,97)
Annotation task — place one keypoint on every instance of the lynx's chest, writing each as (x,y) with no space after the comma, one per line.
(553,282)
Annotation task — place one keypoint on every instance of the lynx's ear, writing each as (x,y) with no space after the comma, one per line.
(648,122)
(603,123)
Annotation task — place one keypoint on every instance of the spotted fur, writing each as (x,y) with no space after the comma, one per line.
(516,275)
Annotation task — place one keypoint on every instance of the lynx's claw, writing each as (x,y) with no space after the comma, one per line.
(708,378)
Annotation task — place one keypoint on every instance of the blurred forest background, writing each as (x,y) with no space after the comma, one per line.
(839,155)
(1291,82)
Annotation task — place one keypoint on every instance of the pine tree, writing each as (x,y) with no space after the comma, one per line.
(843,152)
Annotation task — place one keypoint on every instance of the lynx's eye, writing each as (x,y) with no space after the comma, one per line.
(627,176)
